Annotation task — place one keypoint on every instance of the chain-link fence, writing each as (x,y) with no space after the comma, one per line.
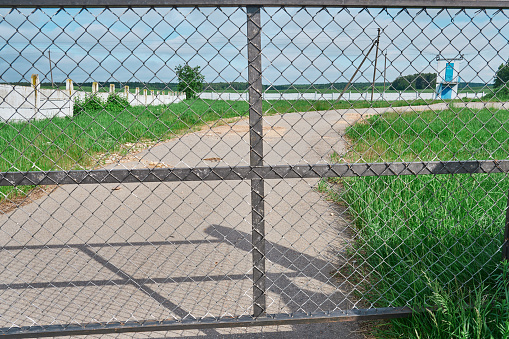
(169,168)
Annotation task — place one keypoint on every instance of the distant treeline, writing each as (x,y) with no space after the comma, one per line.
(243,86)
(420,81)
(415,81)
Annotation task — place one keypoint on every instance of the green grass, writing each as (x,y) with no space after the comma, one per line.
(483,313)
(452,134)
(419,232)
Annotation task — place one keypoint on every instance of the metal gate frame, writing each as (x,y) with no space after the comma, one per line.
(257,172)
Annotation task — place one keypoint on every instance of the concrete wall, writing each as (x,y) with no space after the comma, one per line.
(141,99)
(350,96)
(17,103)
(24,103)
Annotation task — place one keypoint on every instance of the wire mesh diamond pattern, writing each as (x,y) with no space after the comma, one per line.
(192,168)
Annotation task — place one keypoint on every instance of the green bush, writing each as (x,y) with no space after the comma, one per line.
(501,76)
(415,81)
(90,103)
(116,102)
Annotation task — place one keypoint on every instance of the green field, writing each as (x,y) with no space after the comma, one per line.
(420,234)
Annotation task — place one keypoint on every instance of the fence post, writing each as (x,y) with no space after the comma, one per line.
(36,86)
(95,87)
(69,88)
(112,88)
(254,50)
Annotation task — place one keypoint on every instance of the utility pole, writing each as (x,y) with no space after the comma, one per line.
(374,70)
(356,71)
(385,69)
(50,68)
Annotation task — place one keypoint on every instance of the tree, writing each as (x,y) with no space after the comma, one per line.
(400,84)
(190,80)
(415,81)
(502,76)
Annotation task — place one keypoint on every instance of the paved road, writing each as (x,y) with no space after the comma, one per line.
(174,250)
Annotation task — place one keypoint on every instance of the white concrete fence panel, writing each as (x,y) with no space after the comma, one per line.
(350,96)
(23,103)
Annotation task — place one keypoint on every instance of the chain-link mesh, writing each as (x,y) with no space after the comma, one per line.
(176,168)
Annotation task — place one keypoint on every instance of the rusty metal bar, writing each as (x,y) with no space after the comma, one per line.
(105,176)
(374,69)
(144,326)
(356,71)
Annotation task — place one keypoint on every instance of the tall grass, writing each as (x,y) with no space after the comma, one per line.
(463,314)
(421,237)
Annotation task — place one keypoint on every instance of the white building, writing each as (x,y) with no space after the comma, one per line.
(448,77)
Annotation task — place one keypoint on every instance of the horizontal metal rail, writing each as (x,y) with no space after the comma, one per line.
(268,3)
(144,326)
(105,176)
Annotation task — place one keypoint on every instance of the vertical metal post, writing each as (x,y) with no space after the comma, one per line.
(50,68)
(376,59)
(254,51)
(505,246)
(385,69)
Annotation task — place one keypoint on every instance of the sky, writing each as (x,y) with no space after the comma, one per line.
(300,45)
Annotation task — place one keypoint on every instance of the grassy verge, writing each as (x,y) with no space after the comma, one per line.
(417,233)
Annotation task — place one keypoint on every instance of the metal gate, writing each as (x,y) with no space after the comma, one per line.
(175,165)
